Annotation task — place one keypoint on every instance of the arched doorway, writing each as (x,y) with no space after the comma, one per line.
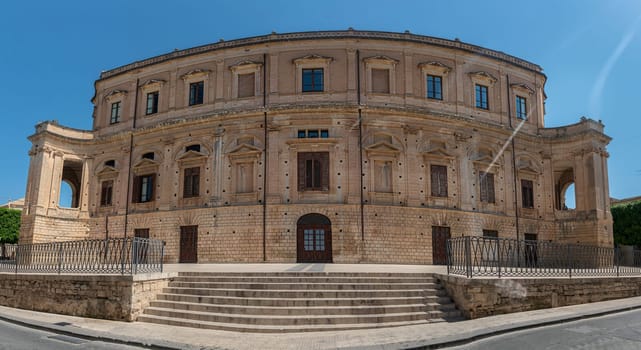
(314,239)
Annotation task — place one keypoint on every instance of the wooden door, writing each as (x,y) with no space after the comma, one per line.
(314,243)
(440,235)
(142,245)
(188,244)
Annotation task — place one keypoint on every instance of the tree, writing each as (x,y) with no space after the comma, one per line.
(627,223)
(9,225)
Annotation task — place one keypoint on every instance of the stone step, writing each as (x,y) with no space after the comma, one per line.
(307,274)
(298,279)
(294,293)
(298,310)
(304,286)
(273,329)
(287,320)
(298,302)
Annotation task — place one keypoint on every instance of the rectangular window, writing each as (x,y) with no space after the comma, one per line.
(521,107)
(196,93)
(106,193)
(152,103)
(144,188)
(481,96)
(438,177)
(383,176)
(490,233)
(313,171)
(486,185)
(244,177)
(115,113)
(380,81)
(313,133)
(527,194)
(434,87)
(191,183)
(246,84)
(313,80)
(141,232)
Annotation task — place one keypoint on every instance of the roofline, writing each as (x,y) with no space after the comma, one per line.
(315,35)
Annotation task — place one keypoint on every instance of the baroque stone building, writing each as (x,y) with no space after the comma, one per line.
(339,146)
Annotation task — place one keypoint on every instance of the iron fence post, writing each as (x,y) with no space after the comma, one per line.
(162,255)
(569,260)
(134,258)
(498,259)
(17,255)
(122,256)
(59,257)
(468,258)
(616,259)
(448,249)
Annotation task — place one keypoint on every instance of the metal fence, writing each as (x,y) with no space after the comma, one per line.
(503,257)
(111,256)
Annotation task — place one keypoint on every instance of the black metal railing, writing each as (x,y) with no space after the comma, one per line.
(127,256)
(504,257)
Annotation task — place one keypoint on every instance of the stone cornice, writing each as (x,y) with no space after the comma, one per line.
(344,34)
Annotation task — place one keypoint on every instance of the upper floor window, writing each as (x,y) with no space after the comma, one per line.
(196,93)
(486,186)
(480,92)
(143,188)
(521,107)
(380,81)
(434,87)
(148,155)
(527,194)
(152,102)
(490,233)
(191,184)
(438,175)
(111,163)
(115,113)
(313,80)
(246,85)
(313,133)
(106,193)
(313,171)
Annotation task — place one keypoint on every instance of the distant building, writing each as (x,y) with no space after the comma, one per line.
(340,146)
(17,204)
(624,201)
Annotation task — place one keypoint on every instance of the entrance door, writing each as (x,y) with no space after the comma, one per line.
(440,235)
(188,244)
(142,245)
(314,239)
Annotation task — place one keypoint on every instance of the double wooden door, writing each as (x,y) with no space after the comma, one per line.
(314,243)
(189,244)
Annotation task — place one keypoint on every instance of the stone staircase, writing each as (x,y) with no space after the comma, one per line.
(300,301)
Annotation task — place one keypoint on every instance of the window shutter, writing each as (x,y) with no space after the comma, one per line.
(103,194)
(195,181)
(246,85)
(438,180)
(152,192)
(380,81)
(434,181)
(483,186)
(490,188)
(187,183)
(301,171)
(135,196)
(324,160)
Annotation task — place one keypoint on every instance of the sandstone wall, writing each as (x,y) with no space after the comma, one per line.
(119,298)
(493,296)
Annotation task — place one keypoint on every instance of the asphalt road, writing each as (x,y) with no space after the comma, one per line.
(14,337)
(621,331)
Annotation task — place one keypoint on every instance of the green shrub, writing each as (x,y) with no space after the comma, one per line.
(627,224)
(9,225)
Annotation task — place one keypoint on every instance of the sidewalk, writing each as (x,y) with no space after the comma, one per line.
(409,337)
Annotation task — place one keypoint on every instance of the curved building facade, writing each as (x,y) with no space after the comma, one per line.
(342,146)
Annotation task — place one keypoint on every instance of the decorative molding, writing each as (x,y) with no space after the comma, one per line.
(246,66)
(382,149)
(483,76)
(434,67)
(115,94)
(380,59)
(523,88)
(153,84)
(195,73)
(313,58)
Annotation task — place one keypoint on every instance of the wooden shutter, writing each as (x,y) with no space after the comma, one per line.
(324,161)
(135,195)
(302,157)
(527,193)
(195,181)
(490,188)
(103,194)
(380,81)
(246,85)
(438,180)
(187,183)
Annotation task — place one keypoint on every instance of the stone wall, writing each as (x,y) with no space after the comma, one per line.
(108,297)
(480,297)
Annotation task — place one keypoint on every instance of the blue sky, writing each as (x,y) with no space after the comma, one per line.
(52,51)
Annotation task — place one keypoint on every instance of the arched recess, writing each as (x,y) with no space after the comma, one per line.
(314,239)
(564,187)
(71,177)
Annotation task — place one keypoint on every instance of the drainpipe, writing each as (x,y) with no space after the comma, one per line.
(131,151)
(360,139)
(265,157)
(515,174)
